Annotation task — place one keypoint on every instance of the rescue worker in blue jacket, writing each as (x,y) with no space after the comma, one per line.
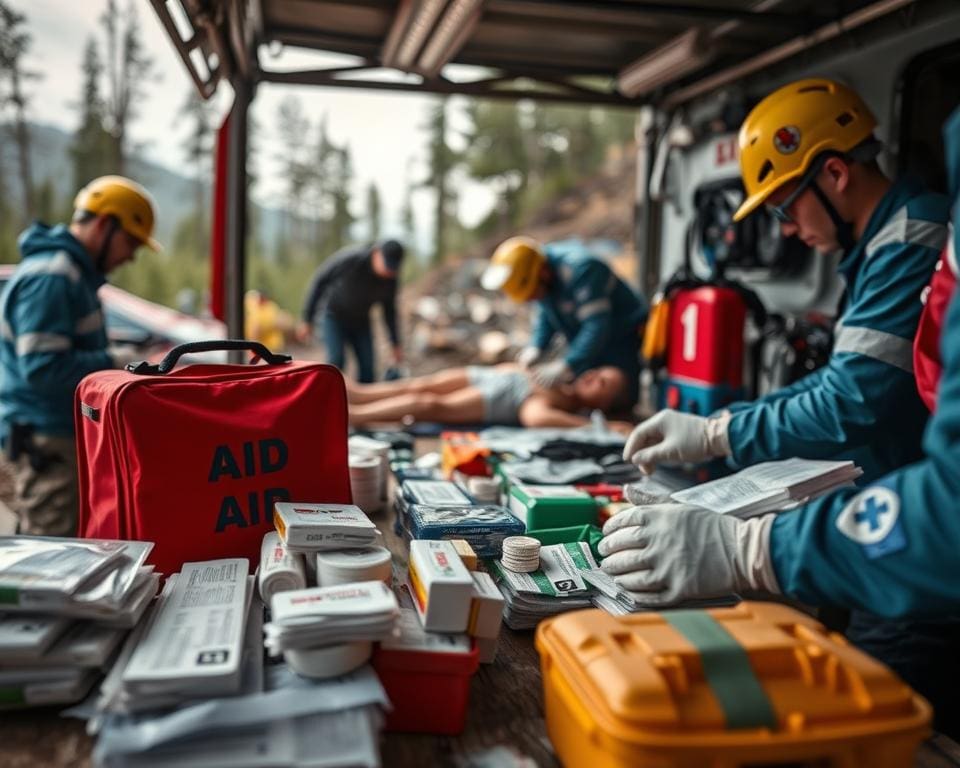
(807,152)
(579,297)
(52,335)
(889,550)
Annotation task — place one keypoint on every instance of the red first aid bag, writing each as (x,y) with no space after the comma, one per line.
(193,458)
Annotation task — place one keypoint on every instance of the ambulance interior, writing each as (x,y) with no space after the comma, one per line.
(906,73)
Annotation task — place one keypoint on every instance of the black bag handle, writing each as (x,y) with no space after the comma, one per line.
(260,352)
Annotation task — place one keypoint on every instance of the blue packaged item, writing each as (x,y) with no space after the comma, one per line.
(404,471)
(434,493)
(484,527)
(431,492)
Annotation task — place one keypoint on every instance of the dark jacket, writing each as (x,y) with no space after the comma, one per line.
(346,287)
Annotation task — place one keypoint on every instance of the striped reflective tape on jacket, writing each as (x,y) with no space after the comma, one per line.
(89,323)
(28,343)
(879,345)
(901,229)
(58,264)
(951,259)
(592,308)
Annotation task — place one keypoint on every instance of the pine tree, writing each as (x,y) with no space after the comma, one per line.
(498,152)
(374,212)
(342,219)
(14,43)
(92,146)
(197,148)
(442,161)
(292,126)
(320,174)
(128,69)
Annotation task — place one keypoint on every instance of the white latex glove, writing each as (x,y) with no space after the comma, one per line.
(527,356)
(552,374)
(667,553)
(122,354)
(672,436)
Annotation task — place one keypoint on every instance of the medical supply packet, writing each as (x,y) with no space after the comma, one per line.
(320,616)
(484,527)
(41,573)
(194,643)
(307,527)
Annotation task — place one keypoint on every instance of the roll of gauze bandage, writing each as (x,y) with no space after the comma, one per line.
(280,570)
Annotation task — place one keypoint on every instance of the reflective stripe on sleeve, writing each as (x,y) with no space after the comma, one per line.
(879,345)
(27,343)
(900,229)
(952,254)
(58,264)
(592,308)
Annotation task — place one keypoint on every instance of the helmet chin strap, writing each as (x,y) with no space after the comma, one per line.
(844,229)
(101,260)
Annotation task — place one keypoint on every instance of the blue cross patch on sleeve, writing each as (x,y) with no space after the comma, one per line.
(872,519)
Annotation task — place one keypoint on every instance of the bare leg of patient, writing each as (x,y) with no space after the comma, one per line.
(464,406)
(440,383)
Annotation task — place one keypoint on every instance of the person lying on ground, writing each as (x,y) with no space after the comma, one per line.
(502,394)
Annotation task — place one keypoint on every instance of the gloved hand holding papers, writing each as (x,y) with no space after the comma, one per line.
(665,554)
(323,616)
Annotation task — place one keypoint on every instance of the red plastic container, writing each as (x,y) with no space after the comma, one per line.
(429,690)
(706,337)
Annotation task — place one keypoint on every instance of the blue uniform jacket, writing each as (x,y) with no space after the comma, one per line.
(863,405)
(892,549)
(597,313)
(51,333)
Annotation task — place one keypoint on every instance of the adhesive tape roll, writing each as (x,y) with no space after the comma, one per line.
(330,661)
(351,565)
(484,488)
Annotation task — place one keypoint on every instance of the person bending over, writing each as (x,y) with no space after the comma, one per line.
(502,394)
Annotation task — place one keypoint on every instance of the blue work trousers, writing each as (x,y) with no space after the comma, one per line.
(337,336)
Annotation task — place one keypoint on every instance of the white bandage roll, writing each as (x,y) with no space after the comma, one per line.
(351,565)
(330,661)
(280,570)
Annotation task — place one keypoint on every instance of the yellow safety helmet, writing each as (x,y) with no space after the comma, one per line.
(786,131)
(515,268)
(130,203)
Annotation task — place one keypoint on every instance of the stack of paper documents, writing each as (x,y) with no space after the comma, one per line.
(323,616)
(191,646)
(770,486)
(47,655)
(616,601)
(279,719)
(555,588)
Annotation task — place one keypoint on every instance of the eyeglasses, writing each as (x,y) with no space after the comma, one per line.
(782,212)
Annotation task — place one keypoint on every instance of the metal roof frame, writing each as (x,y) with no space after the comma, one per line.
(575,51)
(611,52)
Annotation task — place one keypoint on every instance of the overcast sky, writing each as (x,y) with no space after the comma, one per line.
(383,130)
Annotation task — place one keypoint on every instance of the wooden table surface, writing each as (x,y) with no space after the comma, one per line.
(506,713)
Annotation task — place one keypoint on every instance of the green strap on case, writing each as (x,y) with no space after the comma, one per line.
(727,670)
